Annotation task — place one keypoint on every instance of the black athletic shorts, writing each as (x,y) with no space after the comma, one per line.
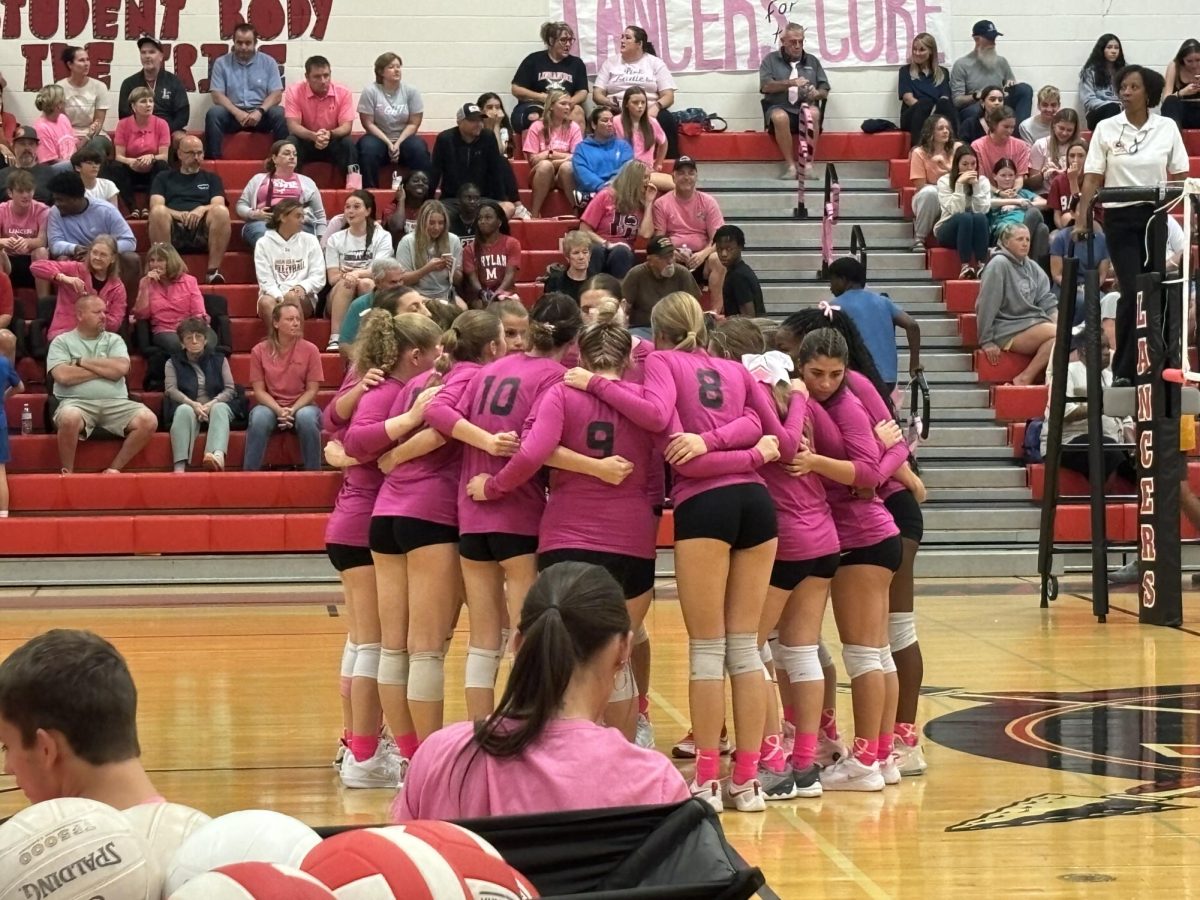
(740,515)
(634,574)
(397,535)
(344,557)
(787,574)
(906,512)
(496,547)
(21,275)
(886,554)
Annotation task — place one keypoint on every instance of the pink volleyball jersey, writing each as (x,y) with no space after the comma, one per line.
(707,393)
(848,433)
(499,399)
(333,426)
(806,527)
(878,411)
(427,487)
(364,439)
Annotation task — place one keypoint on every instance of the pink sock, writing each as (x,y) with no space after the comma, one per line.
(789,714)
(363,746)
(771,754)
(804,752)
(745,766)
(865,751)
(708,765)
(407,744)
(644,705)
(907,732)
(829,724)
(884,750)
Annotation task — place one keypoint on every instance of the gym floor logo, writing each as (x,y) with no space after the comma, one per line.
(1150,735)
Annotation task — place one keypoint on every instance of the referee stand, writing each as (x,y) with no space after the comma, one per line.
(1156,407)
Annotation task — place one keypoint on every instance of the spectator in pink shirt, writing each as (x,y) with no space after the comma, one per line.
(97,273)
(166,296)
(527,756)
(22,230)
(548,145)
(1000,143)
(644,134)
(320,117)
(621,212)
(141,141)
(56,137)
(690,218)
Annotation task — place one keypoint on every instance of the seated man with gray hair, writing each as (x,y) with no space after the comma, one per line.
(789,80)
(387,275)
(88,366)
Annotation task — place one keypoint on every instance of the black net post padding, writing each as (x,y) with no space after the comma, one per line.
(1159,463)
(858,246)
(1059,359)
(829,215)
(1095,448)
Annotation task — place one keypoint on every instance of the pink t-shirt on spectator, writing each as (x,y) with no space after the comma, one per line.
(564,140)
(287,375)
(545,777)
(315,113)
(280,189)
(692,222)
(112,292)
(929,168)
(602,215)
(25,225)
(171,302)
(989,153)
(56,139)
(138,140)
(641,152)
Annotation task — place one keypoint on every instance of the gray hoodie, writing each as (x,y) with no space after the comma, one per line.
(1013,296)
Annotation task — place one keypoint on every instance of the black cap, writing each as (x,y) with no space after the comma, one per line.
(146,39)
(659,245)
(986,28)
(26,133)
(685,162)
(470,111)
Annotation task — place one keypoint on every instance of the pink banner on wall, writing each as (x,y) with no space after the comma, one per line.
(734,35)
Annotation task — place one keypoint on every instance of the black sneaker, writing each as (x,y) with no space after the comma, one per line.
(808,782)
(215,277)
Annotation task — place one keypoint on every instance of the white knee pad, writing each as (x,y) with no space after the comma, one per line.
(860,660)
(482,668)
(624,686)
(505,638)
(765,654)
(366,661)
(349,652)
(902,630)
(801,663)
(773,643)
(824,655)
(393,667)
(886,662)
(741,654)
(641,636)
(706,659)
(427,677)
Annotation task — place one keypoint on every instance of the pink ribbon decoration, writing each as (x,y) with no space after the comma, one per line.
(828,308)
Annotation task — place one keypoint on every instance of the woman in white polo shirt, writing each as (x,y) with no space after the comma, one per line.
(1134,148)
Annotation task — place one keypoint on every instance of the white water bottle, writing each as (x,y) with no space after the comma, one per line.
(26,420)
(397,180)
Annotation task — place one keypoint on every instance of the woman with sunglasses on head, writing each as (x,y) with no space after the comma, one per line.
(553,68)
(1135,148)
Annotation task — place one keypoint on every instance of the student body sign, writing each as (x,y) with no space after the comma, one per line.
(734,35)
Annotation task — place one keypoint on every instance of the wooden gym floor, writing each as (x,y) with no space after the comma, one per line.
(1064,755)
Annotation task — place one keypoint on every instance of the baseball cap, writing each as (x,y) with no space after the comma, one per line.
(470,111)
(146,39)
(659,245)
(685,162)
(26,133)
(986,28)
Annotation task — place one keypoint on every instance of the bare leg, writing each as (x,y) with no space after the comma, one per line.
(745,596)
(432,599)
(219,230)
(363,597)
(1037,342)
(781,127)
(70,425)
(137,435)
(541,180)
(391,585)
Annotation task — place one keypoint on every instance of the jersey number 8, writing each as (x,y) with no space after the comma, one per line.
(711,395)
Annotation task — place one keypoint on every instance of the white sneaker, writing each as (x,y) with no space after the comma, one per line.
(848,774)
(645,733)
(709,792)
(890,770)
(383,770)
(746,797)
(829,751)
(520,212)
(909,760)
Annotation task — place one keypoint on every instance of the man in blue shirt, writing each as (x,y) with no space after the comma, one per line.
(876,318)
(247,93)
(75,221)
(1064,245)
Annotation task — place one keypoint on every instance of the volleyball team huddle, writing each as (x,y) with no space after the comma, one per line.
(476,457)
